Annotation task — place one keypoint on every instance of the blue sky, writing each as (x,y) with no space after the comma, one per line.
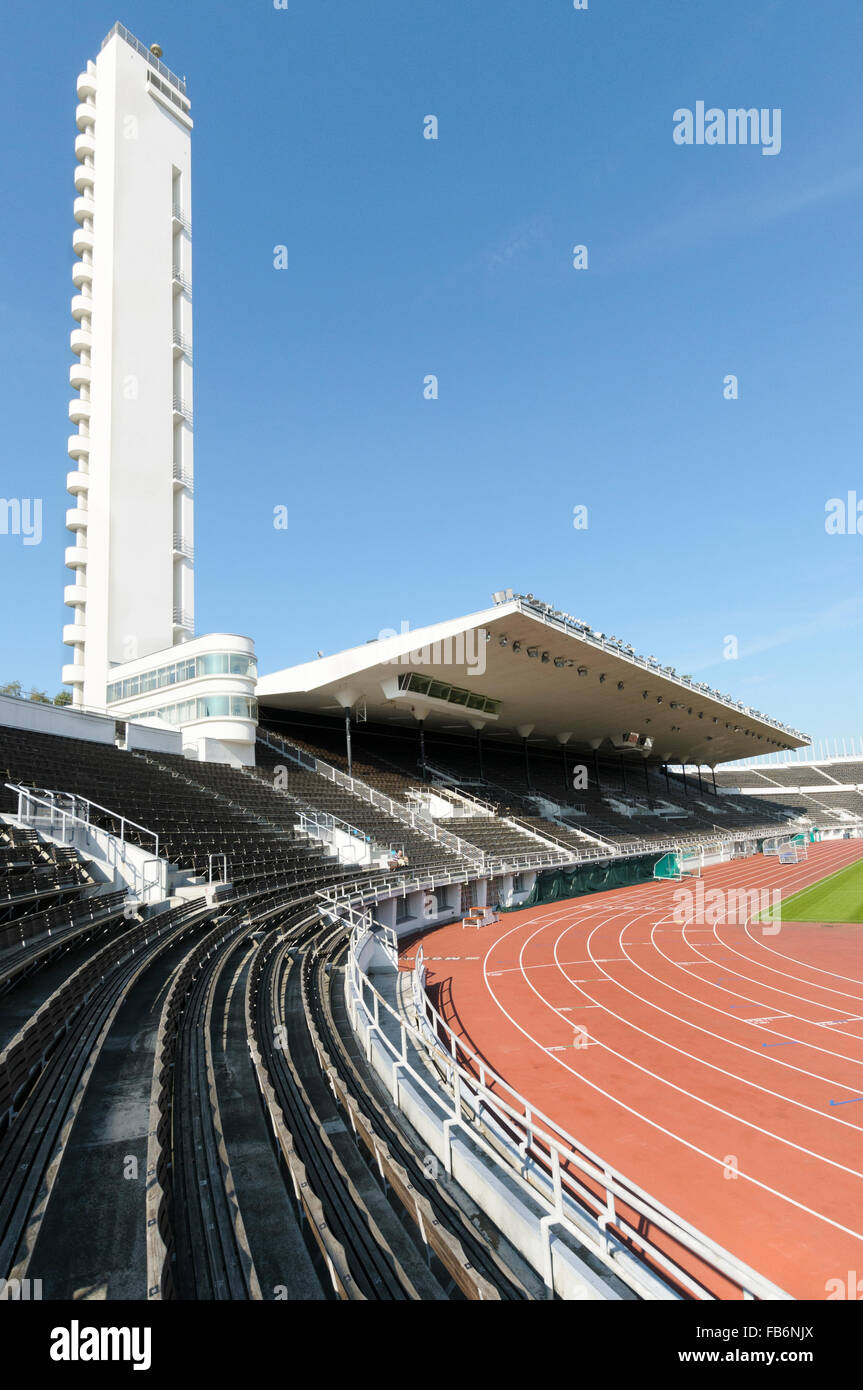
(557,387)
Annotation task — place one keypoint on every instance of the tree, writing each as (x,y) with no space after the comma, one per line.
(12,688)
(64,698)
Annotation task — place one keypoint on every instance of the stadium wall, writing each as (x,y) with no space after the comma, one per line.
(67,722)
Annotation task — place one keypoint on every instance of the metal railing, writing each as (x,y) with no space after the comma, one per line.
(212,859)
(423,824)
(151,58)
(635,1235)
(183,408)
(457,790)
(489,808)
(67,808)
(322,825)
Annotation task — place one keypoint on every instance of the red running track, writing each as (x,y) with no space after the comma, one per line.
(723,1071)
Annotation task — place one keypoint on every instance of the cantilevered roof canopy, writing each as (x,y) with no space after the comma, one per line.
(521,669)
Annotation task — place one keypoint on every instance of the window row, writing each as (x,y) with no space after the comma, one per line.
(214,664)
(454,694)
(205,707)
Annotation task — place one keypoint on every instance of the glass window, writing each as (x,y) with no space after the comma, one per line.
(213,706)
(215,664)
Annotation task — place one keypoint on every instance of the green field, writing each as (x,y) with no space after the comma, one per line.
(837,898)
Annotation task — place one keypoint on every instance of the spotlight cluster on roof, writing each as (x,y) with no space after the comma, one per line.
(548,613)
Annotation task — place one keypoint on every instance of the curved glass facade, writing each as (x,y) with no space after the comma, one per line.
(213,664)
(205,707)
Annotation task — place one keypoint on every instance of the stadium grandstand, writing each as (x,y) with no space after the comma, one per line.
(283,915)
(444,967)
(825,794)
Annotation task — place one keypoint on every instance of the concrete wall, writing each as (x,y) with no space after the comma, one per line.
(55,719)
(66,722)
(157,740)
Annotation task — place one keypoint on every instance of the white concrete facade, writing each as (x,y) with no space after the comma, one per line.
(132,483)
(132,600)
(205,688)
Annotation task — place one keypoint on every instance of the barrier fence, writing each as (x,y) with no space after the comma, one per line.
(648,1246)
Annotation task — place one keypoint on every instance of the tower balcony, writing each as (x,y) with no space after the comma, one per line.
(72,675)
(182,411)
(75,595)
(82,306)
(78,446)
(80,374)
(77,519)
(80,340)
(82,240)
(182,478)
(85,116)
(83,208)
(86,85)
(79,410)
(182,346)
(85,177)
(183,621)
(183,549)
(75,557)
(82,274)
(180,221)
(74,633)
(179,282)
(77,483)
(85,146)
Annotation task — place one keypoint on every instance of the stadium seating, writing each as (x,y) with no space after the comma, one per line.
(621,803)
(824,794)
(192,821)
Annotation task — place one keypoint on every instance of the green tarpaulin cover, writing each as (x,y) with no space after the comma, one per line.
(554,884)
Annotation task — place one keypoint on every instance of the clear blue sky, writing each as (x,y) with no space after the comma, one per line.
(557,387)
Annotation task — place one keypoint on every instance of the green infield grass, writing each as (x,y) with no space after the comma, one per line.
(837,898)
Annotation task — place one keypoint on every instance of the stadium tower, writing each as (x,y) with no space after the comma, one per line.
(132,598)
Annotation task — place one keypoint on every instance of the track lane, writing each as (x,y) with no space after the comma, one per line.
(799,1159)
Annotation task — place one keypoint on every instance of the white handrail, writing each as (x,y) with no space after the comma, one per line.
(52,804)
(369,794)
(553,1155)
(478,860)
